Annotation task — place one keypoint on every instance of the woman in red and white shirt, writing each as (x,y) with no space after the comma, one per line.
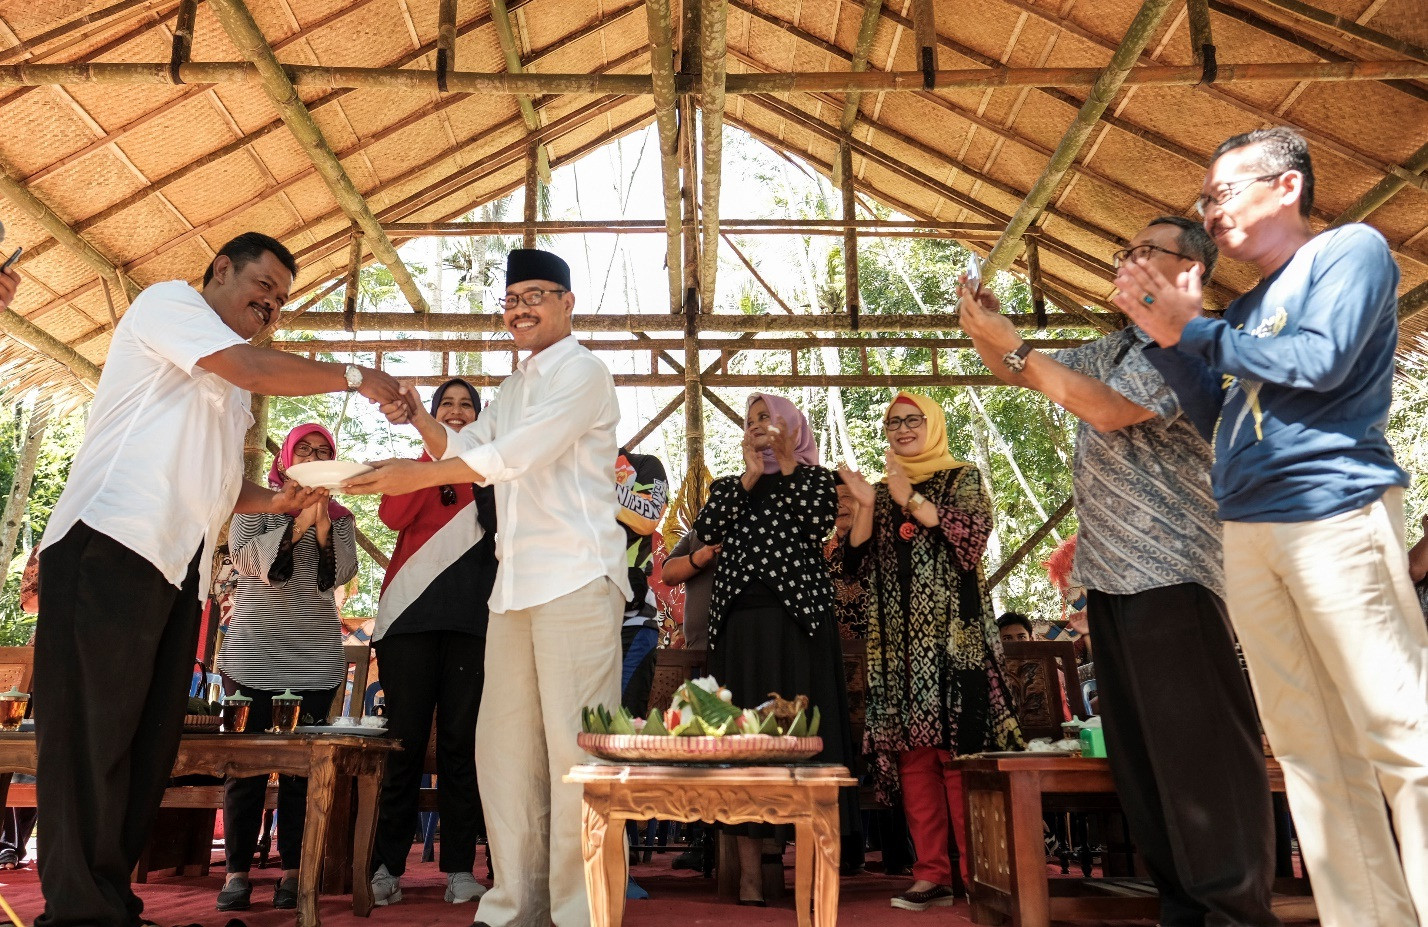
(430,640)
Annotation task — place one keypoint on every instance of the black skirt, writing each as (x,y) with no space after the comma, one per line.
(763,650)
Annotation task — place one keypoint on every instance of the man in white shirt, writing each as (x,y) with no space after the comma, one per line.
(123,563)
(547,443)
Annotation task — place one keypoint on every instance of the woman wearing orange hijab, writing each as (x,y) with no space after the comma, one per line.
(935,679)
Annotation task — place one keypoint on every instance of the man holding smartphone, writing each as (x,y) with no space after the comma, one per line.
(9,281)
(1181,734)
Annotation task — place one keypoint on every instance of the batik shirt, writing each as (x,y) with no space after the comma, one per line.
(1142,492)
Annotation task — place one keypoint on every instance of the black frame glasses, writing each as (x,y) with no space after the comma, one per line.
(1231,190)
(314,453)
(509,302)
(909,422)
(1126,255)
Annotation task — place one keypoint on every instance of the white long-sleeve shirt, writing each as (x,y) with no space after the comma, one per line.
(547,443)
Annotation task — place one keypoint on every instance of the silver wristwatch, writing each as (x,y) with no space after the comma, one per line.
(1015,361)
(353,373)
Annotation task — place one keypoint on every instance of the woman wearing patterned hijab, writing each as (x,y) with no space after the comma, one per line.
(936,687)
(771,625)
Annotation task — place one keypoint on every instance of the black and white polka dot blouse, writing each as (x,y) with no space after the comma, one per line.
(774,533)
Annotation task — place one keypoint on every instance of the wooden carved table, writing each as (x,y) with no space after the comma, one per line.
(1003,797)
(323,759)
(804,796)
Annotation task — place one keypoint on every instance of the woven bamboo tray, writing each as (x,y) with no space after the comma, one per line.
(733,748)
(203,723)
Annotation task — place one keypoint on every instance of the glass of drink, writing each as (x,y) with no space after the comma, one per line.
(12,708)
(235,712)
(286,709)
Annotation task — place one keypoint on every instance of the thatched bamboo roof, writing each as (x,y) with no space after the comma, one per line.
(140,135)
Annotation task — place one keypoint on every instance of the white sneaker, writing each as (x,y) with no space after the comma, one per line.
(386,888)
(462,887)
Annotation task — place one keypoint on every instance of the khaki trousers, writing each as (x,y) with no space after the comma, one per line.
(1338,655)
(543,665)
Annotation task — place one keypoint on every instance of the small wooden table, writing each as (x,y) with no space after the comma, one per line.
(1008,854)
(804,796)
(322,758)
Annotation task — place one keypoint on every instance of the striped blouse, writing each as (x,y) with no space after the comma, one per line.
(285,633)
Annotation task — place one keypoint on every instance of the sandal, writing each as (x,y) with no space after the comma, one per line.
(9,859)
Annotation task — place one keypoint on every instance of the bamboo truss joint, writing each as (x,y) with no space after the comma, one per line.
(240,26)
(445,44)
(183,39)
(1137,35)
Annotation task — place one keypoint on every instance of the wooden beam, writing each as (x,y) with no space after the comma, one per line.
(445,42)
(1384,190)
(754,272)
(1347,26)
(1030,543)
(924,30)
(746,381)
(642,342)
(1137,35)
(353,283)
(1202,39)
(867,32)
(662,80)
(42,342)
(834,227)
(713,46)
(532,196)
(28,47)
(249,40)
(661,322)
(1413,302)
(850,235)
(649,427)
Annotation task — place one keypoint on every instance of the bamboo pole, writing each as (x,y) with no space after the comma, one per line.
(256,442)
(850,235)
(532,192)
(421,80)
(1413,302)
(1202,39)
(642,343)
(713,46)
(867,31)
(1030,543)
(753,271)
(183,37)
(924,29)
(243,31)
(108,12)
(1137,35)
(748,381)
(62,233)
(868,227)
(354,279)
(42,342)
(662,322)
(1347,26)
(445,42)
(510,49)
(23,479)
(662,81)
(1384,190)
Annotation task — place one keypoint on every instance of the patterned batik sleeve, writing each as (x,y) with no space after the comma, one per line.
(813,501)
(1136,378)
(727,498)
(965,519)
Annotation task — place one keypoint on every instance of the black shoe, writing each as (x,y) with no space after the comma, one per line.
(285,896)
(238,898)
(689,859)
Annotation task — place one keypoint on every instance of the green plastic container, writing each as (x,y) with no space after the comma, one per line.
(1093,741)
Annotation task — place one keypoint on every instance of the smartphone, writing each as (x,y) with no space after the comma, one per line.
(974,275)
(10,262)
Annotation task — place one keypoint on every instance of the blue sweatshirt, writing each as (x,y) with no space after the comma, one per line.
(1307,358)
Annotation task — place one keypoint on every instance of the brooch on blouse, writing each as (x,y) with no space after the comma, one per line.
(907,530)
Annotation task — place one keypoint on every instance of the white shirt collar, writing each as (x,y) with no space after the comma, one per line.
(536,363)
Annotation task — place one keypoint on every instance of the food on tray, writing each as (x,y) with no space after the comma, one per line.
(703,708)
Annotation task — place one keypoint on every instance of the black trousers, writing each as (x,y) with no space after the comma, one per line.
(441,673)
(1182,740)
(113,660)
(243,797)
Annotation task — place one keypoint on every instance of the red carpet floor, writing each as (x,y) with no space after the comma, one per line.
(677,899)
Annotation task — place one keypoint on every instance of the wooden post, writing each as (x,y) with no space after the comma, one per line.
(867,31)
(1005,250)
(528,234)
(1033,276)
(661,32)
(850,235)
(924,23)
(255,442)
(24,478)
(713,48)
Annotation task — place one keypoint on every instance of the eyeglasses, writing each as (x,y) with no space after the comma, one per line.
(1230,190)
(1126,255)
(908,421)
(307,450)
(530,298)
(448,496)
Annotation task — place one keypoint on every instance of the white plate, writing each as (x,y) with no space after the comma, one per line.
(326,474)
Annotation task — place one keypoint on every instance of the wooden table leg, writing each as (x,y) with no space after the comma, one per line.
(321,779)
(1026,851)
(828,851)
(337,849)
(602,843)
(804,851)
(369,789)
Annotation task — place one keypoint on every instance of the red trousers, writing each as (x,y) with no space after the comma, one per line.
(932,797)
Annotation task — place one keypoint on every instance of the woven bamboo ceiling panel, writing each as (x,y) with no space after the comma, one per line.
(114,184)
